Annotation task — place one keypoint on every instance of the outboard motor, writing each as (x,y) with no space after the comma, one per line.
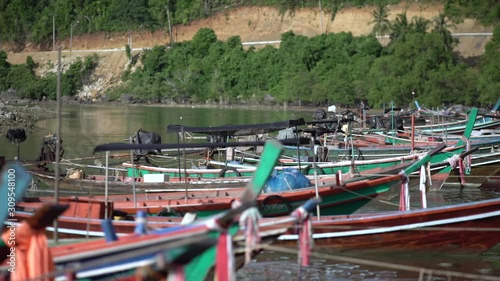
(376,122)
(319,114)
(397,125)
(48,150)
(145,137)
(215,139)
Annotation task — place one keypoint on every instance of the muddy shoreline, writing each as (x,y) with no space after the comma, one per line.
(22,116)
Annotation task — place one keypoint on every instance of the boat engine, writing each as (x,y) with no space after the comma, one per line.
(145,137)
(48,150)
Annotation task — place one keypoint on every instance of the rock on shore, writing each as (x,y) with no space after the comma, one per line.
(22,116)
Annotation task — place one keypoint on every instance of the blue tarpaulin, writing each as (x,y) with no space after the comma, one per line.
(288,179)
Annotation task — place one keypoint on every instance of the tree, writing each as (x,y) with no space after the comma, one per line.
(489,84)
(20,78)
(442,26)
(154,60)
(230,73)
(181,85)
(382,25)
(30,64)
(400,27)
(485,11)
(420,24)
(4,70)
(128,15)
(202,41)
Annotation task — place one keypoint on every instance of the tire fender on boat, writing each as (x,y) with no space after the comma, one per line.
(279,198)
(223,172)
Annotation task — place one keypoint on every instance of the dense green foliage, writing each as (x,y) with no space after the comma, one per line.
(329,68)
(325,69)
(24,21)
(25,82)
(489,80)
(485,11)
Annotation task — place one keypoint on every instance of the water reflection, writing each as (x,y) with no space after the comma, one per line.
(402,265)
(373,265)
(85,126)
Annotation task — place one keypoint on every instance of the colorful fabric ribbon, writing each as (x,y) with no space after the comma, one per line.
(404,197)
(304,228)
(461,170)
(224,264)
(457,161)
(423,186)
(249,220)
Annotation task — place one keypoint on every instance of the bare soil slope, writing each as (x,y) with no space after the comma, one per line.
(251,24)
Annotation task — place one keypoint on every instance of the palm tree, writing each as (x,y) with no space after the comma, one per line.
(382,25)
(420,24)
(442,25)
(400,27)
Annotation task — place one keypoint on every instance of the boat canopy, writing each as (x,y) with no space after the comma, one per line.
(238,130)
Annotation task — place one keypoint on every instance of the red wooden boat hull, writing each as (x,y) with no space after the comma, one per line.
(457,228)
(210,202)
(101,249)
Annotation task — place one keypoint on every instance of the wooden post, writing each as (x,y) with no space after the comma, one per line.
(412,132)
(106,187)
(315,167)
(133,174)
(58,140)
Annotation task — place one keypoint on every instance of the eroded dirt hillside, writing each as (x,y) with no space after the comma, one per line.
(252,24)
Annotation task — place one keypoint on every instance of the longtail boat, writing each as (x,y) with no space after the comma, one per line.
(375,147)
(101,259)
(192,251)
(225,132)
(180,252)
(466,228)
(124,182)
(338,197)
(481,122)
(452,155)
(233,174)
(94,184)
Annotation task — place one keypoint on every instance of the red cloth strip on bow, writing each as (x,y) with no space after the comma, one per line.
(252,238)
(224,264)
(304,228)
(404,196)
(461,170)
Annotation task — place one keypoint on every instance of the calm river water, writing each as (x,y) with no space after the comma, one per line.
(375,265)
(84,127)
